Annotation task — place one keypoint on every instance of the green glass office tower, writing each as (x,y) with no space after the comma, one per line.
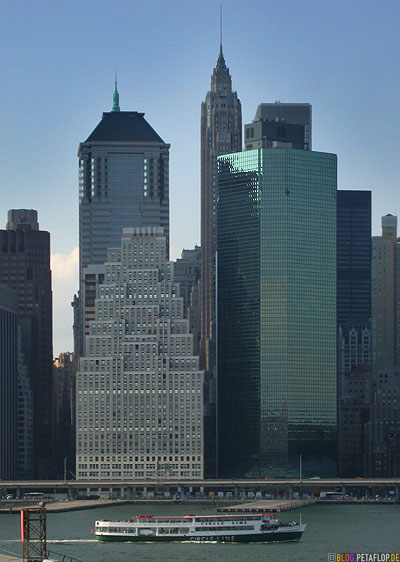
(276,313)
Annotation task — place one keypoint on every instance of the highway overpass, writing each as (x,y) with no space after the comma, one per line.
(129,488)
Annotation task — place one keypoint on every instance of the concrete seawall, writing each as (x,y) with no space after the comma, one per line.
(77,505)
(266,506)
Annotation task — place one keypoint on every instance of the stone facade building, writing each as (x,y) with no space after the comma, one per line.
(139,387)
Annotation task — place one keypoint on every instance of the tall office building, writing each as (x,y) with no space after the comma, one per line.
(385,296)
(139,388)
(25,267)
(353,256)
(221,133)
(292,113)
(8,383)
(123,182)
(354,328)
(353,281)
(276,313)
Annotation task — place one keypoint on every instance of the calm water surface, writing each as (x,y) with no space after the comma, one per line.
(331,529)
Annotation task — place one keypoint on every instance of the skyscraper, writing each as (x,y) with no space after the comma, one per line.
(353,256)
(276,313)
(385,295)
(123,182)
(354,328)
(139,388)
(294,113)
(353,281)
(221,133)
(25,267)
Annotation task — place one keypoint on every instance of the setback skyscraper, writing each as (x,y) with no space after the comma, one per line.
(139,388)
(276,313)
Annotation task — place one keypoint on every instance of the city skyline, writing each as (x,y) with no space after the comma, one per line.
(338,69)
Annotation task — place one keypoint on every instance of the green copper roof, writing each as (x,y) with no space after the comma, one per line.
(115,105)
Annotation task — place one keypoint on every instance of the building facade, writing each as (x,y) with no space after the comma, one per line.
(293,113)
(186,272)
(354,410)
(64,383)
(25,267)
(383,429)
(123,182)
(220,133)
(8,383)
(385,295)
(139,387)
(354,328)
(276,313)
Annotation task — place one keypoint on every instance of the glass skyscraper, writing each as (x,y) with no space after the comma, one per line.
(276,313)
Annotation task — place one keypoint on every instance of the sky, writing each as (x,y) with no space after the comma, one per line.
(57,61)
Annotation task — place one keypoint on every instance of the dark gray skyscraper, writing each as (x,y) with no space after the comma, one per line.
(221,133)
(294,113)
(123,182)
(25,267)
(8,383)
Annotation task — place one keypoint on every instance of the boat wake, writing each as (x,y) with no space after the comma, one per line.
(61,541)
(51,541)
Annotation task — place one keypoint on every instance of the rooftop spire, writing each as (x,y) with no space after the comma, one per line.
(220,60)
(220,30)
(115,105)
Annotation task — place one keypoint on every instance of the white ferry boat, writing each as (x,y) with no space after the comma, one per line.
(221,528)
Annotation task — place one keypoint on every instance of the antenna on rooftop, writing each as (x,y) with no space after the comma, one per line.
(220,28)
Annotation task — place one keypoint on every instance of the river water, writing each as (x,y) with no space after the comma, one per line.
(331,529)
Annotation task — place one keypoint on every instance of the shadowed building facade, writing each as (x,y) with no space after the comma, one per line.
(8,383)
(25,267)
(354,328)
(276,313)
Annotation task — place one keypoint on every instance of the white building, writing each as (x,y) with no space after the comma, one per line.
(139,388)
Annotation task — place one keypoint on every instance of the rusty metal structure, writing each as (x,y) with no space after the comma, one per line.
(33,534)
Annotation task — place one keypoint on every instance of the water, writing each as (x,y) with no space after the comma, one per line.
(331,529)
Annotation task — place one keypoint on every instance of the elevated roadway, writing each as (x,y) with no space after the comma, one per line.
(205,486)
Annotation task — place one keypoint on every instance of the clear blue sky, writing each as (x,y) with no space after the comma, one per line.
(58,59)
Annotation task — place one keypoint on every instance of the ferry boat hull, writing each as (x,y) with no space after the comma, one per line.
(199,528)
(283,536)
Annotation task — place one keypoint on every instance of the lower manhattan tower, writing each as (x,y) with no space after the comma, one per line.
(276,313)
(123,182)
